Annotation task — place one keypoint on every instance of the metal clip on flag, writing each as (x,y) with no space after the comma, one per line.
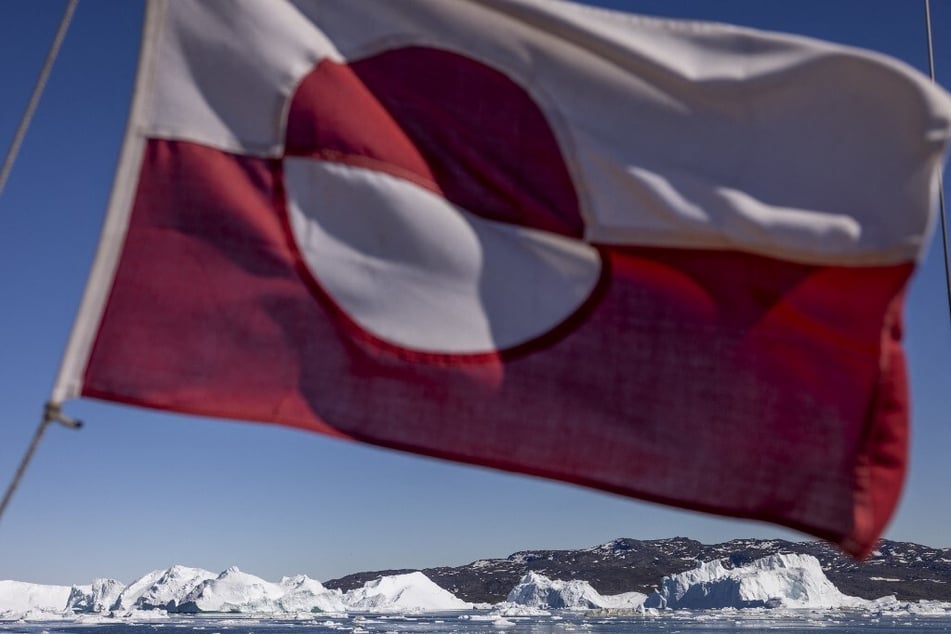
(663,259)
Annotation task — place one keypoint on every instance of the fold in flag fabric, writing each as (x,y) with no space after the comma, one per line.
(663,259)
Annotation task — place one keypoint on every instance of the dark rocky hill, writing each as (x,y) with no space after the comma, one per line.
(908,571)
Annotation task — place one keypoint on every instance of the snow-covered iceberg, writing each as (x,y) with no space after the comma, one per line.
(234,591)
(183,590)
(300,593)
(160,589)
(790,581)
(538,591)
(18,598)
(97,598)
(413,591)
(171,588)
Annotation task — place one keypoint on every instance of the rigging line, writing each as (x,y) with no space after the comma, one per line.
(944,221)
(51,413)
(37,92)
(23,465)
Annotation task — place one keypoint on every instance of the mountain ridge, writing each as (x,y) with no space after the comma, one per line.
(909,571)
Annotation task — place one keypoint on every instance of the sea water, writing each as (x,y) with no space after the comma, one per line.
(829,622)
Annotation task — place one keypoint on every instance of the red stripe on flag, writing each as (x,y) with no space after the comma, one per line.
(718,381)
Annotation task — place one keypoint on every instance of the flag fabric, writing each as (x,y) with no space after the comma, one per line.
(663,259)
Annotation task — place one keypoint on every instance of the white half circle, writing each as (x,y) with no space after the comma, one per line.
(416,271)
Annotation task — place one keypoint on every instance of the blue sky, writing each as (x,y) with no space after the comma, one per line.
(137,490)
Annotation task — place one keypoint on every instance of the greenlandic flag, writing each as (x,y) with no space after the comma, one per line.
(663,259)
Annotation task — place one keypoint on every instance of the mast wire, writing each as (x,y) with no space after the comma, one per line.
(37,93)
(52,412)
(24,462)
(944,221)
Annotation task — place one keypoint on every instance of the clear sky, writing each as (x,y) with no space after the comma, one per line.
(138,490)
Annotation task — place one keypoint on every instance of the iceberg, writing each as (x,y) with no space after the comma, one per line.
(232,591)
(19,598)
(303,594)
(413,591)
(161,589)
(97,598)
(538,591)
(132,592)
(789,581)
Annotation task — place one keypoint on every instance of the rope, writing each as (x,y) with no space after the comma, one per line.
(23,465)
(37,92)
(944,221)
(51,413)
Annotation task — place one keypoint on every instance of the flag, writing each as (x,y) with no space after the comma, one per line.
(662,259)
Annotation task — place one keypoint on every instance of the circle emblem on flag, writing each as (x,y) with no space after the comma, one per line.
(430,201)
